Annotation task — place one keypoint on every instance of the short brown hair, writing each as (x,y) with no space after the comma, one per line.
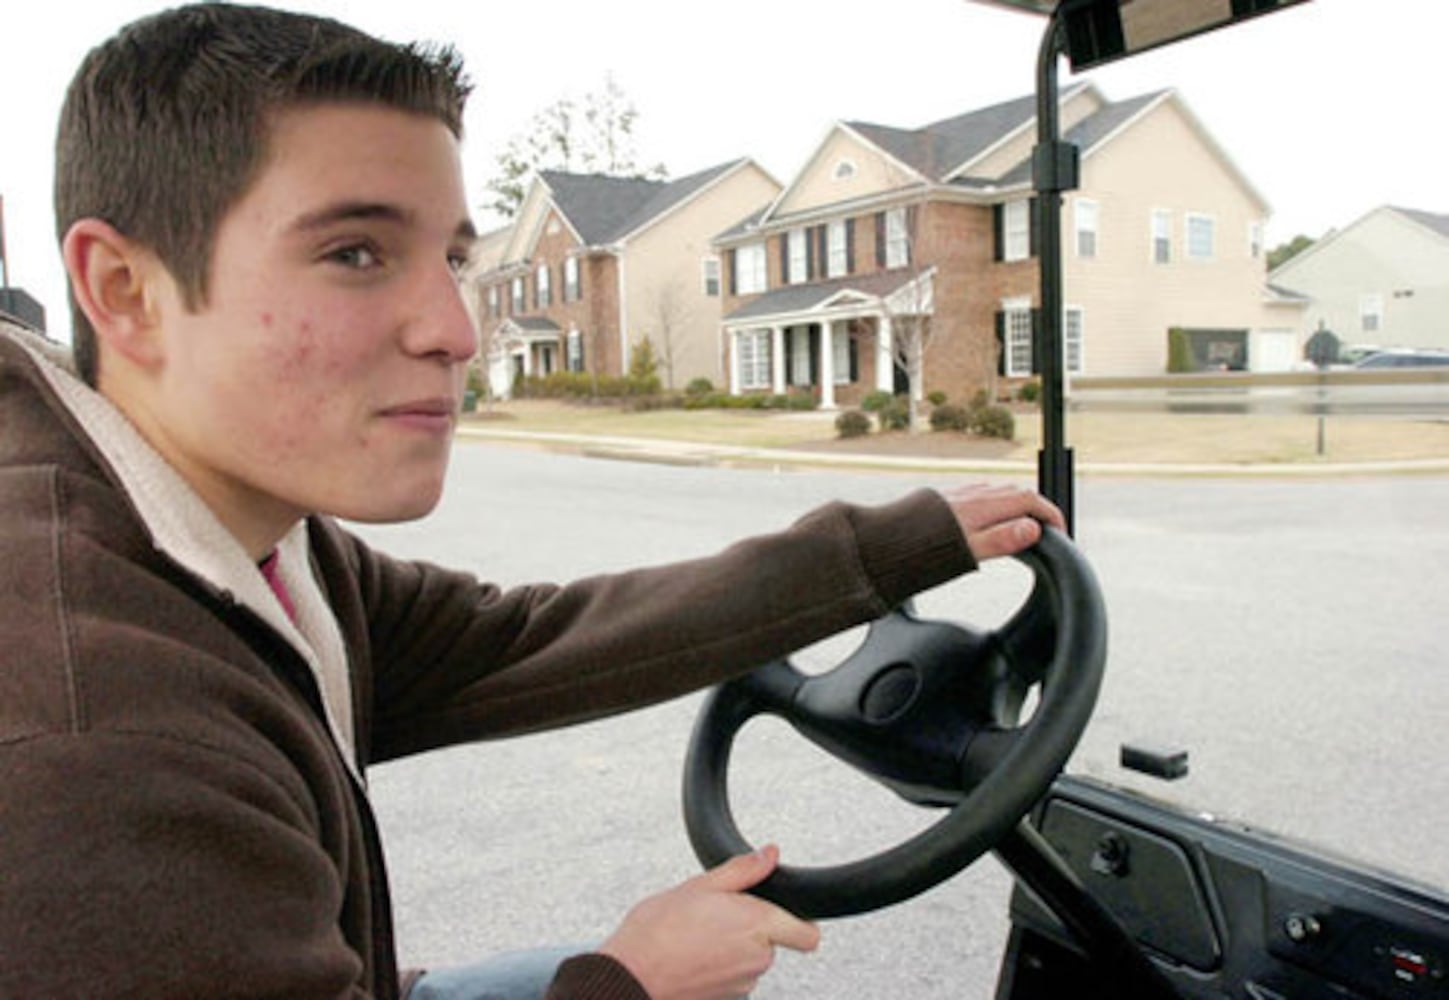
(165,125)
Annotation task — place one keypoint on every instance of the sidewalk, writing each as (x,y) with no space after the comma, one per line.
(682,452)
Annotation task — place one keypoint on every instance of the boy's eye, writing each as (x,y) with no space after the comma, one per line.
(458,260)
(359,256)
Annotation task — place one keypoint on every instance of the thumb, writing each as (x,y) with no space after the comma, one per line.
(1005,539)
(742,871)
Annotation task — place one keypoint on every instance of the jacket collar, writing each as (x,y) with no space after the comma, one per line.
(184,528)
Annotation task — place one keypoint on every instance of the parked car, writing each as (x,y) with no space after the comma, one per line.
(1404,358)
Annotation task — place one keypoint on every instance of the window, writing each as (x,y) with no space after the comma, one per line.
(1072,338)
(1018,336)
(1161,236)
(798,266)
(1085,213)
(800,357)
(750,269)
(711,276)
(836,265)
(517,305)
(840,357)
(1016,230)
(1017,330)
(493,301)
(1255,239)
(844,170)
(572,292)
(1200,237)
(897,239)
(575,349)
(752,356)
(1371,312)
(542,290)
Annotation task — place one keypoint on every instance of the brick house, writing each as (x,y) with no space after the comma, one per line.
(592,265)
(896,249)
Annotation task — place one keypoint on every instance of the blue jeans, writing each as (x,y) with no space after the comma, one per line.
(514,975)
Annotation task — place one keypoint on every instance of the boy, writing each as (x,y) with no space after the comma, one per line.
(262,218)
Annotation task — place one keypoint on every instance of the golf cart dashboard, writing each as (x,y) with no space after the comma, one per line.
(1224,911)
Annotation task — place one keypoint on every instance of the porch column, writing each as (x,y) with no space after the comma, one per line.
(527,359)
(827,365)
(732,359)
(885,353)
(777,360)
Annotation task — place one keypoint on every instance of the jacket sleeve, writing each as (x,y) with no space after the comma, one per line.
(147,864)
(594,977)
(452,659)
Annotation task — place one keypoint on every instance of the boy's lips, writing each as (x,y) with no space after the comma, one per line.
(433,414)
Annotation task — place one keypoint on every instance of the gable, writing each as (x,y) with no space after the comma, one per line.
(844,168)
(1155,149)
(1387,247)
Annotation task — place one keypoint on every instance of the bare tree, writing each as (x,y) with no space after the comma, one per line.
(587,135)
(671,318)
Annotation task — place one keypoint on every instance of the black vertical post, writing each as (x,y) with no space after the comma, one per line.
(1054,170)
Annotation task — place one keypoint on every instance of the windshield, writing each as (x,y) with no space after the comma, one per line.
(1269,534)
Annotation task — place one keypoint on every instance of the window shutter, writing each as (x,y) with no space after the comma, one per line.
(784,258)
(810,265)
(730,260)
(1000,341)
(822,253)
(911,215)
(854,360)
(849,246)
(880,239)
(790,357)
(1033,225)
(998,230)
(816,335)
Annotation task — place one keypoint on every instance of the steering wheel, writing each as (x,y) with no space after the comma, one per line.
(931,710)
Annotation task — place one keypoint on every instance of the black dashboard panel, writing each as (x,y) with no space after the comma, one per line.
(1225,911)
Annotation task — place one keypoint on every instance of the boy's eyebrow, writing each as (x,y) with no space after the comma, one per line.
(345,211)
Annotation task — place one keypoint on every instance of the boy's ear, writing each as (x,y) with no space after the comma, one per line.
(113,280)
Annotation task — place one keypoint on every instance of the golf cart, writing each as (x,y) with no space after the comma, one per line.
(1118,893)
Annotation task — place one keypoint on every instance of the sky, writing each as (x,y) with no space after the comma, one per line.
(1329,108)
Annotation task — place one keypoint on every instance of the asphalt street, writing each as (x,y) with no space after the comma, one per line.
(1287,633)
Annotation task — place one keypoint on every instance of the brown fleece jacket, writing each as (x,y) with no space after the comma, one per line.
(180,812)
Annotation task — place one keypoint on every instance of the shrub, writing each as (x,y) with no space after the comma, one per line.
(852,423)
(994,421)
(895,415)
(979,398)
(642,362)
(700,386)
(802,401)
(1029,392)
(950,418)
(1179,351)
(936,398)
(876,401)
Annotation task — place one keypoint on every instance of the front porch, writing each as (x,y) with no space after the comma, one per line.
(839,339)
(521,347)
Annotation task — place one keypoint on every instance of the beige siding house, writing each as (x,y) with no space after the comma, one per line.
(1381,281)
(593,265)
(910,252)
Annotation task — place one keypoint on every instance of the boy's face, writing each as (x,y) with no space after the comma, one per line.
(325,370)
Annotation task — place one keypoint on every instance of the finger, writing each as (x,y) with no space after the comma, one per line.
(1004,539)
(742,871)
